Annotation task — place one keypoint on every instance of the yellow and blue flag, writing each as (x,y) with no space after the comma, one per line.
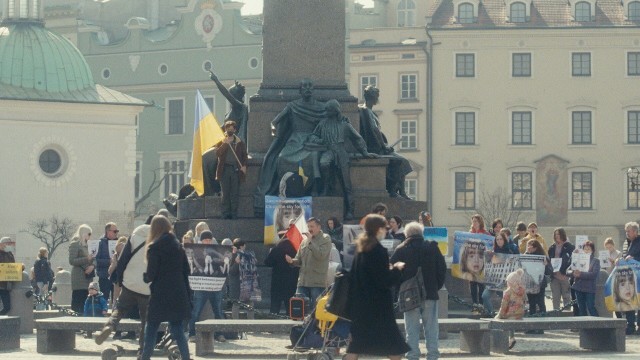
(206,133)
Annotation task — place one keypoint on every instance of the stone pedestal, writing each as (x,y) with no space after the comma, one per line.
(21,305)
(9,333)
(62,283)
(600,283)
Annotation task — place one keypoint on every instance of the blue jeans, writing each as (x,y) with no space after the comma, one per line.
(428,313)
(199,301)
(586,302)
(177,334)
(311,292)
(486,299)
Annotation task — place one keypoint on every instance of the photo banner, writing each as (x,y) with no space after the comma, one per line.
(621,288)
(469,255)
(497,269)
(440,235)
(278,213)
(533,266)
(349,235)
(209,265)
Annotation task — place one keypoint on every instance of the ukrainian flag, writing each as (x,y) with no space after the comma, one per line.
(206,133)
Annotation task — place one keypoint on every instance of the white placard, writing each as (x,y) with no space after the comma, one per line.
(94,245)
(556,263)
(605,263)
(580,240)
(580,262)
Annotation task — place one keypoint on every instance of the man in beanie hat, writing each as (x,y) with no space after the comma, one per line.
(231,169)
(5,257)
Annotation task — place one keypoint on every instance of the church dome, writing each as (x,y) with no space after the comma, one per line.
(31,57)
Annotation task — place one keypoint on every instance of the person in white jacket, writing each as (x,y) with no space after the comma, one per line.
(130,270)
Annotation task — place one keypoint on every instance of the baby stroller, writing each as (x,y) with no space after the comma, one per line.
(321,331)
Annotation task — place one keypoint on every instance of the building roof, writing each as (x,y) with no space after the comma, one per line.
(544,14)
(36,64)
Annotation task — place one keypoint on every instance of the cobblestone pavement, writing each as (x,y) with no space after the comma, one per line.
(552,345)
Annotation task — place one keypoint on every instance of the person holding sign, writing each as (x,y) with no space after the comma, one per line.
(585,283)
(625,293)
(560,255)
(472,261)
(5,257)
(612,254)
(631,250)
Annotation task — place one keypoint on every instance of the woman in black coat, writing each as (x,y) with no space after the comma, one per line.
(168,271)
(373,329)
(284,277)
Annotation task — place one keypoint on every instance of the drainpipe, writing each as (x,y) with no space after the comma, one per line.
(428,49)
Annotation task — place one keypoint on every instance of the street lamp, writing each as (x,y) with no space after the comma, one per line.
(632,174)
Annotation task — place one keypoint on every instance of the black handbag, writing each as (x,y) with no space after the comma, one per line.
(412,292)
(338,302)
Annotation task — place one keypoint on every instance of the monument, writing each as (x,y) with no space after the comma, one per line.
(302,39)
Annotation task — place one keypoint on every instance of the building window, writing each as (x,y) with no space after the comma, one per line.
(137,185)
(521,127)
(408,56)
(522,190)
(50,162)
(633,63)
(518,12)
(633,193)
(521,64)
(366,80)
(581,64)
(106,73)
(175,173)
(411,188)
(207,66)
(634,11)
(633,127)
(368,58)
(175,117)
(253,63)
(409,87)
(211,103)
(409,134)
(163,69)
(465,65)
(581,191)
(581,126)
(465,128)
(465,185)
(406,13)
(465,14)
(583,11)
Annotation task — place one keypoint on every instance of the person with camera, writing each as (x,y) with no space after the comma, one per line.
(231,168)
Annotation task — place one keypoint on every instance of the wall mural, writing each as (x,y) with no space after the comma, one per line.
(551,191)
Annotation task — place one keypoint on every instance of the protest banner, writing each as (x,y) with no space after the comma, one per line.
(497,269)
(349,235)
(605,262)
(278,214)
(580,261)
(468,255)
(621,287)
(11,271)
(93,246)
(533,266)
(440,235)
(208,264)
(580,240)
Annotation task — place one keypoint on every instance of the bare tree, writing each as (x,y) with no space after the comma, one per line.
(156,182)
(497,204)
(52,232)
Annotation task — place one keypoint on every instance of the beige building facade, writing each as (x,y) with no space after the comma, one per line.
(538,102)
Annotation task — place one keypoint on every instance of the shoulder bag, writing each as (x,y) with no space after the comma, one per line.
(338,303)
(412,293)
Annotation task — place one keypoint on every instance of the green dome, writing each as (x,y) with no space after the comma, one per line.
(31,57)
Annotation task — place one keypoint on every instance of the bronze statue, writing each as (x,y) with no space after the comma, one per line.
(377,143)
(292,127)
(231,169)
(331,133)
(239,110)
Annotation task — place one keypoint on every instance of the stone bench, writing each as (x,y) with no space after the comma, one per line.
(9,333)
(205,330)
(59,334)
(475,337)
(596,333)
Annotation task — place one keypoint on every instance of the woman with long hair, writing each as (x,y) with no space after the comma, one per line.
(83,269)
(585,283)
(373,329)
(537,301)
(168,272)
(477,288)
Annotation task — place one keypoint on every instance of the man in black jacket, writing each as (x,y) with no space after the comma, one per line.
(631,251)
(415,252)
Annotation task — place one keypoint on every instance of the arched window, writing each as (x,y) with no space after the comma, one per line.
(518,12)
(634,11)
(583,11)
(465,14)
(406,13)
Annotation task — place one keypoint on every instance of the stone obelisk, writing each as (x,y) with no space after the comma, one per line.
(301,39)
